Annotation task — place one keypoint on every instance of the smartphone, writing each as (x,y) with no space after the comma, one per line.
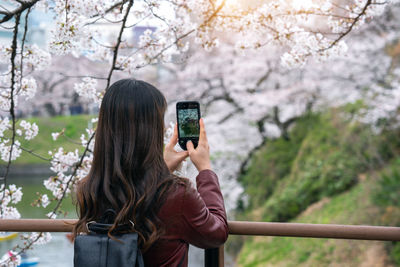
(188,116)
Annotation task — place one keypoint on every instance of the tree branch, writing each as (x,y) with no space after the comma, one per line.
(185,35)
(73,174)
(18,11)
(116,48)
(349,29)
(22,49)
(12,104)
(34,154)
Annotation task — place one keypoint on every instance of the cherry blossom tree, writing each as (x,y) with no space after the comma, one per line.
(249,97)
(250,48)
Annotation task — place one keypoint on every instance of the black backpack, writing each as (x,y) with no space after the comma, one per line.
(96,249)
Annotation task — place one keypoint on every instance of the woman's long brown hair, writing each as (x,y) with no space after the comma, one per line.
(128,172)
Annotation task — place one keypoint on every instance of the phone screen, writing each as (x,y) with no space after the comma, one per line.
(188,122)
(188,115)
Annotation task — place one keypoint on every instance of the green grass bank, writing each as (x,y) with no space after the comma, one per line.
(332,170)
(74,127)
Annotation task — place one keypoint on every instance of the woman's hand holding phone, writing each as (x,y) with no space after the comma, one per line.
(201,155)
(171,157)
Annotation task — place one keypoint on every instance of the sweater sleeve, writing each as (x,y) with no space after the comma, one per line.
(203,212)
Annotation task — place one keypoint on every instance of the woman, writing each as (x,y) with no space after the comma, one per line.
(131,174)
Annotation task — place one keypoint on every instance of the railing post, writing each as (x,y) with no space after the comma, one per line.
(214,257)
(221,256)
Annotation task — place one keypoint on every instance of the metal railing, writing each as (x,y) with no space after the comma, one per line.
(215,257)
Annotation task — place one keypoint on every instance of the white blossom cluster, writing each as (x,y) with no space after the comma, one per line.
(27,88)
(75,31)
(42,201)
(10,195)
(57,134)
(290,24)
(84,168)
(51,215)
(38,238)
(5,150)
(87,90)
(84,141)
(45,200)
(31,129)
(13,259)
(382,103)
(36,58)
(33,59)
(286,24)
(61,163)
(10,259)
(4,125)
(70,31)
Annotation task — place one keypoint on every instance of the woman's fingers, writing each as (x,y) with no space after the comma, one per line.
(190,147)
(201,155)
(174,139)
(203,135)
(182,155)
(175,135)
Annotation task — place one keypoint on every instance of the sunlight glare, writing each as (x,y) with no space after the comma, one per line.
(303,4)
(228,3)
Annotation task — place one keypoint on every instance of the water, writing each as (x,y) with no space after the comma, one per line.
(59,251)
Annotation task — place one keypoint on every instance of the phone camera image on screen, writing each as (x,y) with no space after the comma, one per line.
(188,123)
(188,115)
